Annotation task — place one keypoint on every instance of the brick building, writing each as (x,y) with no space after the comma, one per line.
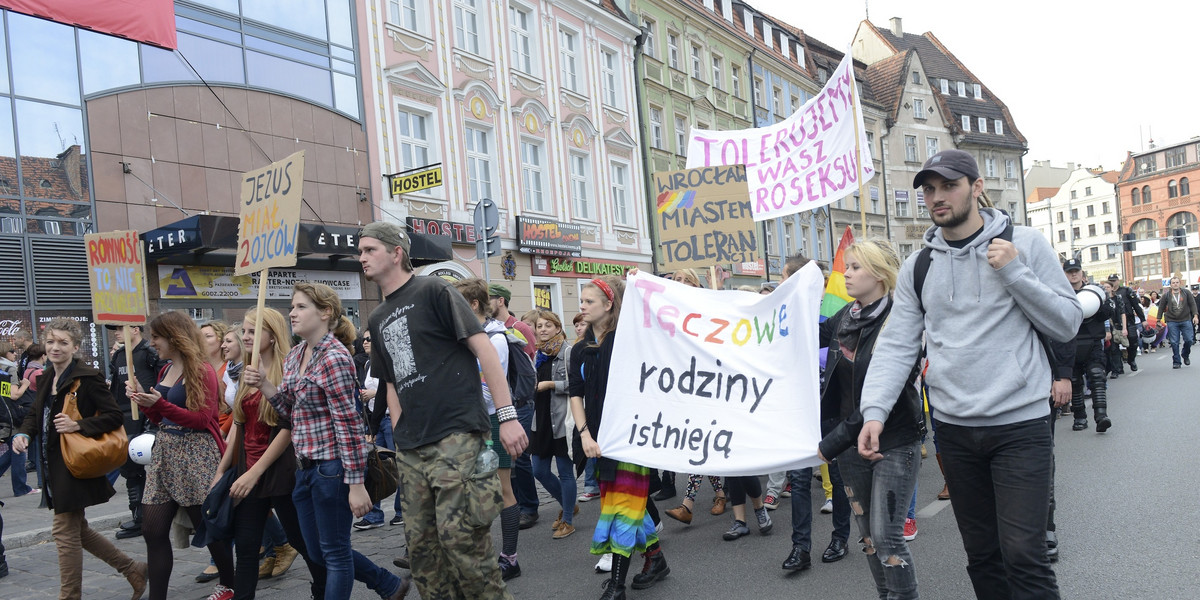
(1154,191)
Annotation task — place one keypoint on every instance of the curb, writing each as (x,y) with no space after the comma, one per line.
(34,537)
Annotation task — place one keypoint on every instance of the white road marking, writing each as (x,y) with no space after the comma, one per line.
(933,509)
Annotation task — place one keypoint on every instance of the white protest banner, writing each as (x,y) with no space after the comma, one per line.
(803,162)
(714,381)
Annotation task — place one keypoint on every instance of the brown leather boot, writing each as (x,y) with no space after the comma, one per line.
(945,493)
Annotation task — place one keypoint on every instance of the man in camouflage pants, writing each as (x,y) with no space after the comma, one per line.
(430,349)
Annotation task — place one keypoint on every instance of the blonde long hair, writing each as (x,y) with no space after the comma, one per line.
(879,259)
(273,323)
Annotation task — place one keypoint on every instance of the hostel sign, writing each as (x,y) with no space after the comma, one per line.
(406,183)
(542,236)
(712,380)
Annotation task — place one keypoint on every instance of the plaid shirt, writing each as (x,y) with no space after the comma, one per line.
(320,405)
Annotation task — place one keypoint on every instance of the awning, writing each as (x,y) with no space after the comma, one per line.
(211,240)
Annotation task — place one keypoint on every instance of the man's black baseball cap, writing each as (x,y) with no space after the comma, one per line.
(951,164)
(1072,264)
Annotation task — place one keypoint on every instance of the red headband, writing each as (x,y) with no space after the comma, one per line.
(604,288)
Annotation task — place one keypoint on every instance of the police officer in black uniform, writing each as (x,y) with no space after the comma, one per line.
(145,367)
(1089,356)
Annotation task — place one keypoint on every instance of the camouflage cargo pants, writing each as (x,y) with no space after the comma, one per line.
(450,557)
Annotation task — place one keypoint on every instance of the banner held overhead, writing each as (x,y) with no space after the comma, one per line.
(704,217)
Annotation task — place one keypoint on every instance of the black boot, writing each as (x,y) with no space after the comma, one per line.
(654,570)
(614,588)
(1080,412)
(131,528)
(1102,421)
(668,487)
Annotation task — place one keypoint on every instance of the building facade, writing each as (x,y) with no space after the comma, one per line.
(976,120)
(1156,199)
(527,103)
(1080,220)
(102,132)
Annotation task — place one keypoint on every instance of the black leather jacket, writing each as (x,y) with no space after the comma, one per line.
(906,421)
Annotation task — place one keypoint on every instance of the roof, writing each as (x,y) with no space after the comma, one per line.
(886,77)
(940,63)
(823,56)
(611,6)
(1041,193)
(63,177)
(1110,176)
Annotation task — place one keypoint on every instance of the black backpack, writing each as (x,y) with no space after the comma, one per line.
(522,377)
(921,269)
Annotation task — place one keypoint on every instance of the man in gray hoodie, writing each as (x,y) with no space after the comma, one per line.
(983,302)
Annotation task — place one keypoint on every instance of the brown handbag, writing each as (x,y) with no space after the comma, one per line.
(91,457)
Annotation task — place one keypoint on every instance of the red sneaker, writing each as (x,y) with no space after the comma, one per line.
(787,491)
(910,530)
(771,502)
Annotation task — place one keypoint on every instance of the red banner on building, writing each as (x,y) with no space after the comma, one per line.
(149,21)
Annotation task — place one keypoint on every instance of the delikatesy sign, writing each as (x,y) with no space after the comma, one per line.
(803,162)
(714,381)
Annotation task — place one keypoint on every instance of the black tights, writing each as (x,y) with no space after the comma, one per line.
(249,520)
(156,529)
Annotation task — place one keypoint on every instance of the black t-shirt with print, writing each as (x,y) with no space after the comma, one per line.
(420,334)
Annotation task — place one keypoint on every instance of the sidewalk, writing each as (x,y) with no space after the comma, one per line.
(25,524)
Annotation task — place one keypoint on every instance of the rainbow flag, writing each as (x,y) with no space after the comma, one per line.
(669,201)
(835,291)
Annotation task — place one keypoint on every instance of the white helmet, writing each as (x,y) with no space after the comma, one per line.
(140,447)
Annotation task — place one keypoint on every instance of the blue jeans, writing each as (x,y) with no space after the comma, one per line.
(523,485)
(1175,331)
(999,480)
(323,508)
(590,485)
(384,438)
(801,507)
(562,487)
(878,489)
(17,463)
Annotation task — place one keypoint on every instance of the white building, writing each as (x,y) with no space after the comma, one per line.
(1081,220)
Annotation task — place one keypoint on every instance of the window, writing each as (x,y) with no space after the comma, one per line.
(718,80)
(918,108)
(735,75)
(466,25)
(1181,265)
(620,194)
(1010,168)
(901,203)
(758,91)
(608,76)
(998,126)
(962,87)
(1183,219)
(906,249)
(822,76)
(650,26)
(1074,214)
(776,103)
(479,164)
(789,238)
(1060,216)
(673,49)
(1146,164)
(522,39)
(1095,254)
(966,124)
(1172,189)
(1147,265)
(656,128)
(1087,191)
(403,13)
(1176,156)
(794,105)
(413,139)
(945,86)
(874,199)
(1108,227)
(1145,229)
(910,148)
(916,77)
(696,63)
(1074,194)
(1135,196)
(989,165)
(982,124)
(531,175)
(978,91)
(1075,233)
(1104,209)
(1091,210)
(1184,189)
(579,187)
(1145,194)
(681,135)
(1092,230)
(1062,235)
(568,46)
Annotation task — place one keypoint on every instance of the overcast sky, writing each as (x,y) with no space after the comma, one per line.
(1085,81)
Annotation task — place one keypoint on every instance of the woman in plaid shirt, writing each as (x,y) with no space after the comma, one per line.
(317,396)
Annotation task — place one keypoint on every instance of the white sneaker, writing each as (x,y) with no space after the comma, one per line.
(827,507)
(605,564)
(658,528)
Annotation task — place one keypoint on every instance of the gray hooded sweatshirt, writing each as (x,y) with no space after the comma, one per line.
(986,364)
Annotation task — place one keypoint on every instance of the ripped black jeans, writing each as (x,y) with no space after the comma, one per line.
(879,493)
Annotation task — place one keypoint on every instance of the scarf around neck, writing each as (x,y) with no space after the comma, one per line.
(857,319)
(550,348)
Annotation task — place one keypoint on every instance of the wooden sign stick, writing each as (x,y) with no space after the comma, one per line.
(129,368)
(258,316)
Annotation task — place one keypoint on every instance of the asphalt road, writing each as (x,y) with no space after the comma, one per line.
(1126,527)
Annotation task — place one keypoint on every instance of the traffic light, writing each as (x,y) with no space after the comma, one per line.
(1130,241)
(1179,234)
